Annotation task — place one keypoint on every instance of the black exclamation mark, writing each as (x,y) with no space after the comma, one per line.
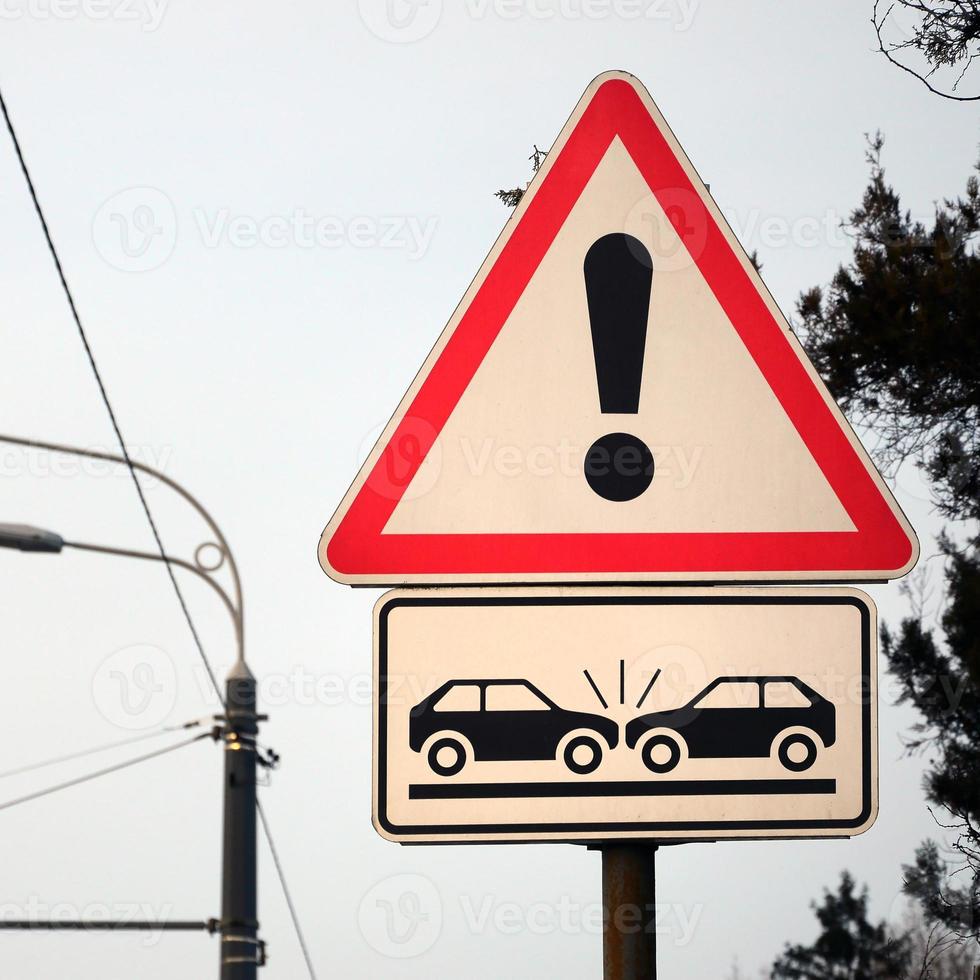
(618,278)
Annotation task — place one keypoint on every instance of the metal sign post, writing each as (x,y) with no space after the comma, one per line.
(629,901)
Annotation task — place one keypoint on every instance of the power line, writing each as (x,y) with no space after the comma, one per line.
(285,890)
(88,777)
(104,747)
(104,393)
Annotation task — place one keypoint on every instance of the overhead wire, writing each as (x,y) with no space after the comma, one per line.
(88,777)
(103,747)
(105,395)
(293,914)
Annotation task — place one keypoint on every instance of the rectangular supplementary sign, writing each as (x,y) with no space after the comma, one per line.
(578,714)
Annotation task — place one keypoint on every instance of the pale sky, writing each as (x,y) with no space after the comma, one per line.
(318,179)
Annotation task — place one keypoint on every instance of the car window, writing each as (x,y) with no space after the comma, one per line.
(513,697)
(731,694)
(782,694)
(460,697)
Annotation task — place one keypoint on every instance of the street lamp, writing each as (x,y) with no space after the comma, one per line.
(242,952)
(220,544)
(23,537)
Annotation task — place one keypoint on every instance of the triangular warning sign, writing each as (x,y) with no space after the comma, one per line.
(617,398)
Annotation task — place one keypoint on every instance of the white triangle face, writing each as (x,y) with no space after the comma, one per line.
(510,457)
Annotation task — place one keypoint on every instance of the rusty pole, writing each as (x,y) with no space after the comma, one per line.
(629,937)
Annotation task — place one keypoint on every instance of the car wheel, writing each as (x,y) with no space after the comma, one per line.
(661,753)
(797,752)
(447,756)
(582,754)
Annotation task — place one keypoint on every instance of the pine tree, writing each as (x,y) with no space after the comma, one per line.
(849,947)
(897,338)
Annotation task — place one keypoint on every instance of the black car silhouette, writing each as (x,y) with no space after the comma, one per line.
(739,717)
(505,720)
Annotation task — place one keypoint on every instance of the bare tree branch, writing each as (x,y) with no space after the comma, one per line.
(947,35)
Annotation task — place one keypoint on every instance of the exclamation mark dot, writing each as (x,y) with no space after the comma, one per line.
(618,279)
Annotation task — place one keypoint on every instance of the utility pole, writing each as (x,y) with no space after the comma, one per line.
(629,928)
(242,952)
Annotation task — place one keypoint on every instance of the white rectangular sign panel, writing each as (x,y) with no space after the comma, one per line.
(577,714)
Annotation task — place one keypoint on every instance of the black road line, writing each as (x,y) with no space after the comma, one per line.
(664,787)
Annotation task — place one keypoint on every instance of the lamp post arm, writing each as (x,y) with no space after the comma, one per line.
(180,563)
(238,609)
